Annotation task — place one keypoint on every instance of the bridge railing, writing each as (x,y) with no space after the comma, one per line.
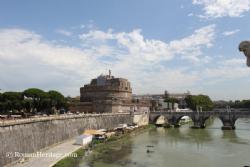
(238,112)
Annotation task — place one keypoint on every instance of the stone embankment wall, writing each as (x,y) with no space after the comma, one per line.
(31,135)
(141,119)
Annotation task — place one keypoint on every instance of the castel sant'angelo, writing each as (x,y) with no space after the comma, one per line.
(108,94)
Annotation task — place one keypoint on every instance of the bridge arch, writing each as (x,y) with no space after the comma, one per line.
(154,117)
(184,118)
(228,118)
(175,120)
(159,120)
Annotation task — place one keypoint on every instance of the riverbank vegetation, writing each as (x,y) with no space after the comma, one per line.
(71,161)
(32,101)
(97,145)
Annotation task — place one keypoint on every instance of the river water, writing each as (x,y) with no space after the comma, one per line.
(178,147)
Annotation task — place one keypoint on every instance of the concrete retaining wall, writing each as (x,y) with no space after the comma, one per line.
(32,135)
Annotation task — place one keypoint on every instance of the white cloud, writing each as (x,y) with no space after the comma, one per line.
(190,47)
(64,32)
(225,79)
(29,60)
(134,44)
(96,35)
(222,8)
(226,70)
(234,62)
(142,57)
(229,33)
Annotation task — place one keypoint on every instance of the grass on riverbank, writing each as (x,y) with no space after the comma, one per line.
(71,161)
(74,161)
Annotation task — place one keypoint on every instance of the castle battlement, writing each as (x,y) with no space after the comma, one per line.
(107,93)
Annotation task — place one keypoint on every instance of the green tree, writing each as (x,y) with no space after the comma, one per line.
(57,99)
(245,104)
(2,107)
(12,101)
(27,105)
(32,100)
(171,100)
(12,96)
(203,101)
(36,95)
(45,106)
(1,97)
(239,104)
(7,106)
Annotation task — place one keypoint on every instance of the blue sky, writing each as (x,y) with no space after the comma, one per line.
(157,44)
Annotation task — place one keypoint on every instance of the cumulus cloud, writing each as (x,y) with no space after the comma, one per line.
(64,32)
(229,33)
(190,47)
(27,59)
(151,50)
(222,8)
(225,70)
(136,56)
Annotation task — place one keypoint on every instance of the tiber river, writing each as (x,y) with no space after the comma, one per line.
(178,147)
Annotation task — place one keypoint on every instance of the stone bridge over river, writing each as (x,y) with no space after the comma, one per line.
(228,117)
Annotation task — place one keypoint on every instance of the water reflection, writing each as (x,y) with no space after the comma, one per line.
(179,147)
(193,136)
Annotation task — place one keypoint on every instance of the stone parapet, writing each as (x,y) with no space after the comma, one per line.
(105,88)
(4,123)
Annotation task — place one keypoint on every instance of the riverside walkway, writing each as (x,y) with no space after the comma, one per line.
(30,135)
(50,156)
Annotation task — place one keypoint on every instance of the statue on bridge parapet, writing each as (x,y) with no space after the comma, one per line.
(245,48)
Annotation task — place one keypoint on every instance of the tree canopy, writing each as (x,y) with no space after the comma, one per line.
(57,98)
(32,100)
(12,96)
(233,104)
(35,94)
(1,96)
(171,100)
(203,101)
